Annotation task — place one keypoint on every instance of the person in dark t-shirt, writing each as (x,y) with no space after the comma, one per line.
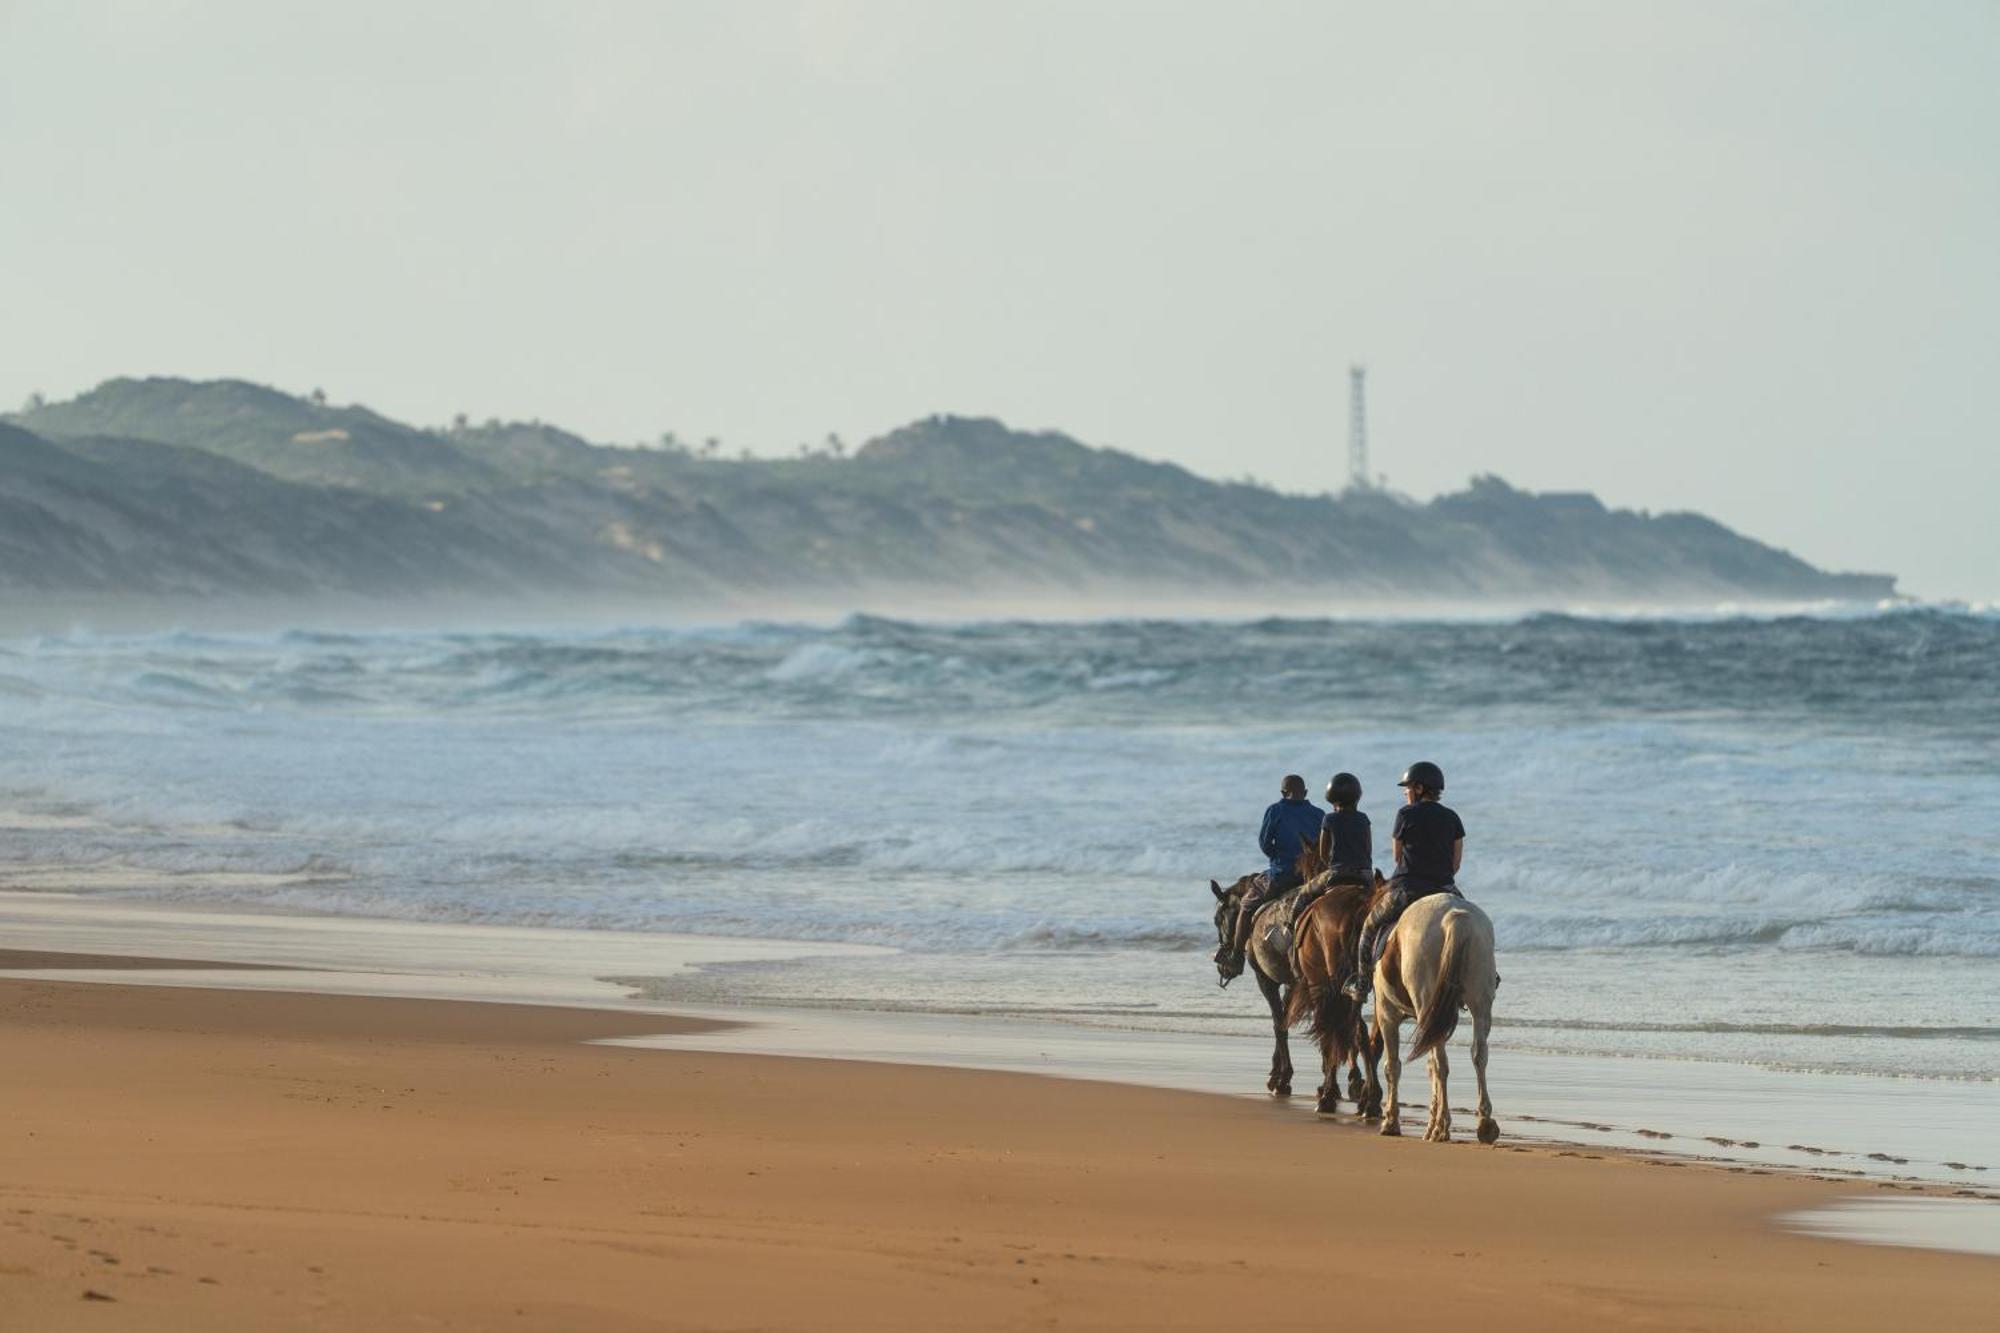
(1346,843)
(1429,843)
(1429,839)
(1346,839)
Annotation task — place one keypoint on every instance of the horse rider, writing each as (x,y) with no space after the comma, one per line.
(1346,843)
(1346,838)
(1290,823)
(1429,844)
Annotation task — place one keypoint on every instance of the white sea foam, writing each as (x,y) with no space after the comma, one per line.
(818,662)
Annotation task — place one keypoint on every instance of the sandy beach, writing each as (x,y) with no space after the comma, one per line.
(230,1159)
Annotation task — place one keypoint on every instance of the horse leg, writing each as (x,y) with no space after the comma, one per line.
(1329,1071)
(1439,1129)
(1280,1082)
(1364,1091)
(1482,1020)
(1329,1080)
(1371,1100)
(1389,1032)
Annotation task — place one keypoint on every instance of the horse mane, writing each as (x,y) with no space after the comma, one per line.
(1309,865)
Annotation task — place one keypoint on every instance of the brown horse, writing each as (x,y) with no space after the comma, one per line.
(1279,971)
(1325,938)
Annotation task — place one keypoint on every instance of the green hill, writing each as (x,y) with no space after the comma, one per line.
(175,487)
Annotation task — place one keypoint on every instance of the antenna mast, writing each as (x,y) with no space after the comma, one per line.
(1357,428)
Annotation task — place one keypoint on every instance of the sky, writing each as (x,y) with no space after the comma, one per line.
(1742,258)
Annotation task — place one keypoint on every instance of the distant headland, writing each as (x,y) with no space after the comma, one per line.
(169,488)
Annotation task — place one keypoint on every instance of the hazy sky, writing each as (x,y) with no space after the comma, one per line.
(1743,258)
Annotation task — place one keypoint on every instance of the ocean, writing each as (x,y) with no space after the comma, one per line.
(1762,840)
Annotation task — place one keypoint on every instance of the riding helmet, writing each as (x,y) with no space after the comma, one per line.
(1345,789)
(1423,774)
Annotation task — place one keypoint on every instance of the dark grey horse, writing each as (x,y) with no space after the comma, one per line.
(1271,966)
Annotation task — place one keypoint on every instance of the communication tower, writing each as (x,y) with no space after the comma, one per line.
(1357,428)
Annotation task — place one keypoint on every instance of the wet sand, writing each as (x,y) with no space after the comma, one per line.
(49,960)
(237,1159)
(1927,1131)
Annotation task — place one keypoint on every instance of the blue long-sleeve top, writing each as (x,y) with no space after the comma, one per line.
(1288,826)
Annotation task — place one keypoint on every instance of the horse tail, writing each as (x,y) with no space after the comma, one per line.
(1299,1001)
(1316,996)
(1335,1021)
(1437,1017)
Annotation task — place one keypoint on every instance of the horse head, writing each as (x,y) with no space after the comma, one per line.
(1225,910)
(1226,902)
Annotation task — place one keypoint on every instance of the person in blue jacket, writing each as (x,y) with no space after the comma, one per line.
(1291,823)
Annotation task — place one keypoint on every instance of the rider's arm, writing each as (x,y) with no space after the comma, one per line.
(1396,851)
(1325,843)
(1457,854)
(1267,836)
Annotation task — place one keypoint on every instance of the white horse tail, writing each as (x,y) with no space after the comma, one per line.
(1437,1014)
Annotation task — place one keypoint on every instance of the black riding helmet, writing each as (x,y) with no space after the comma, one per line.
(1423,774)
(1345,789)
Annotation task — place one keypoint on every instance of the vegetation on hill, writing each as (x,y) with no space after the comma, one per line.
(164,486)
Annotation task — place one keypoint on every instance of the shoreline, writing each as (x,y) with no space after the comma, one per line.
(391,1163)
(1907,1131)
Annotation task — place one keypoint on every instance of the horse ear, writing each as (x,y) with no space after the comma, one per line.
(1379,881)
(1216,889)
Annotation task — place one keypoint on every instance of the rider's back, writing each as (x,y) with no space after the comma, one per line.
(1289,826)
(1427,833)
(1352,840)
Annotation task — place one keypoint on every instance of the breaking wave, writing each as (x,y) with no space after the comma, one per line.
(1932,665)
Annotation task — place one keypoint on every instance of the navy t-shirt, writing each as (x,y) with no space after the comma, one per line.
(1426,831)
(1352,837)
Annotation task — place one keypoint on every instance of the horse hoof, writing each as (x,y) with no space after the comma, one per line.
(1391,1130)
(1327,1106)
(1437,1136)
(1282,1090)
(1489,1130)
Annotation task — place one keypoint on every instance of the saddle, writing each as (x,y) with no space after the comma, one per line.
(1275,920)
(1278,928)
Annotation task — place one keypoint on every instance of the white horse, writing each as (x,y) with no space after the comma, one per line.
(1439,958)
